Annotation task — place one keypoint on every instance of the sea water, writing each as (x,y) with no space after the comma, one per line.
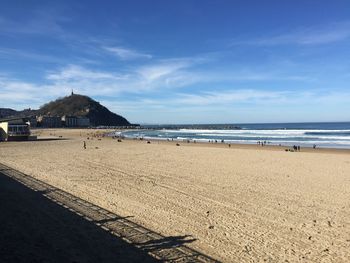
(324,135)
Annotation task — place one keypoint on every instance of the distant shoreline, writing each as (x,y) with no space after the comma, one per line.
(75,133)
(324,135)
(243,146)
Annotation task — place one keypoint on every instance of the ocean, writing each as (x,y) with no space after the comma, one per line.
(323,135)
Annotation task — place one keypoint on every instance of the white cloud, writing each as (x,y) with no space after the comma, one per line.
(158,75)
(228,98)
(164,69)
(127,54)
(172,106)
(40,23)
(305,36)
(74,72)
(10,53)
(18,94)
(244,105)
(233,96)
(168,74)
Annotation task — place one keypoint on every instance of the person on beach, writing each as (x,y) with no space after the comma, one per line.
(84,145)
(298,148)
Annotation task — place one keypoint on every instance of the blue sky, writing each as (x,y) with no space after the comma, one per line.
(181,61)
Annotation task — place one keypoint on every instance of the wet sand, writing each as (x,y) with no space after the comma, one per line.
(242,204)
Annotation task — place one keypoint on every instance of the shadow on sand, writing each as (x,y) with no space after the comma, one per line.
(41,223)
(35,229)
(50,139)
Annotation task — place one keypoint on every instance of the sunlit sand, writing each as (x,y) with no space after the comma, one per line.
(241,204)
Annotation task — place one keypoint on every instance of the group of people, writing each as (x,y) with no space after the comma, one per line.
(262,143)
(216,141)
(296,148)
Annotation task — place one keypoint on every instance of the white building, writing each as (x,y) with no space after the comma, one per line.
(14,129)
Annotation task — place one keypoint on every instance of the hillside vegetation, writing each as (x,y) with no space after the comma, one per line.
(74,105)
(79,105)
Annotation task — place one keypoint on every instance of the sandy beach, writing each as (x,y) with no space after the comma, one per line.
(241,204)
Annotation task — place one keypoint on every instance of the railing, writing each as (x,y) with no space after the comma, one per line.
(19,133)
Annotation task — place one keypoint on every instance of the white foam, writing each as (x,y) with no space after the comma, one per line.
(278,131)
(273,137)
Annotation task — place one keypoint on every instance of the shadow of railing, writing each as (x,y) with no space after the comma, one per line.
(165,243)
(50,139)
(35,229)
(146,241)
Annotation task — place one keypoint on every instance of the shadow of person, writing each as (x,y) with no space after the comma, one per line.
(166,243)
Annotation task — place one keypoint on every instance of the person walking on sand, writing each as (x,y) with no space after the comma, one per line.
(84,145)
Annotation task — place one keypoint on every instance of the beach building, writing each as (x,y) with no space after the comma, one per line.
(70,121)
(33,122)
(74,121)
(49,121)
(83,122)
(14,129)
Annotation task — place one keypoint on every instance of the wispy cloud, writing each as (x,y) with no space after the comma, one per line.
(209,107)
(172,73)
(20,94)
(40,23)
(74,72)
(191,105)
(334,32)
(11,53)
(161,74)
(164,68)
(233,96)
(127,54)
(260,96)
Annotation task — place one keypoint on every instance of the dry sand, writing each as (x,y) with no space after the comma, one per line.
(242,204)
(35,229)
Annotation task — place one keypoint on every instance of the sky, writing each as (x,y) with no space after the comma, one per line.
(184,61)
